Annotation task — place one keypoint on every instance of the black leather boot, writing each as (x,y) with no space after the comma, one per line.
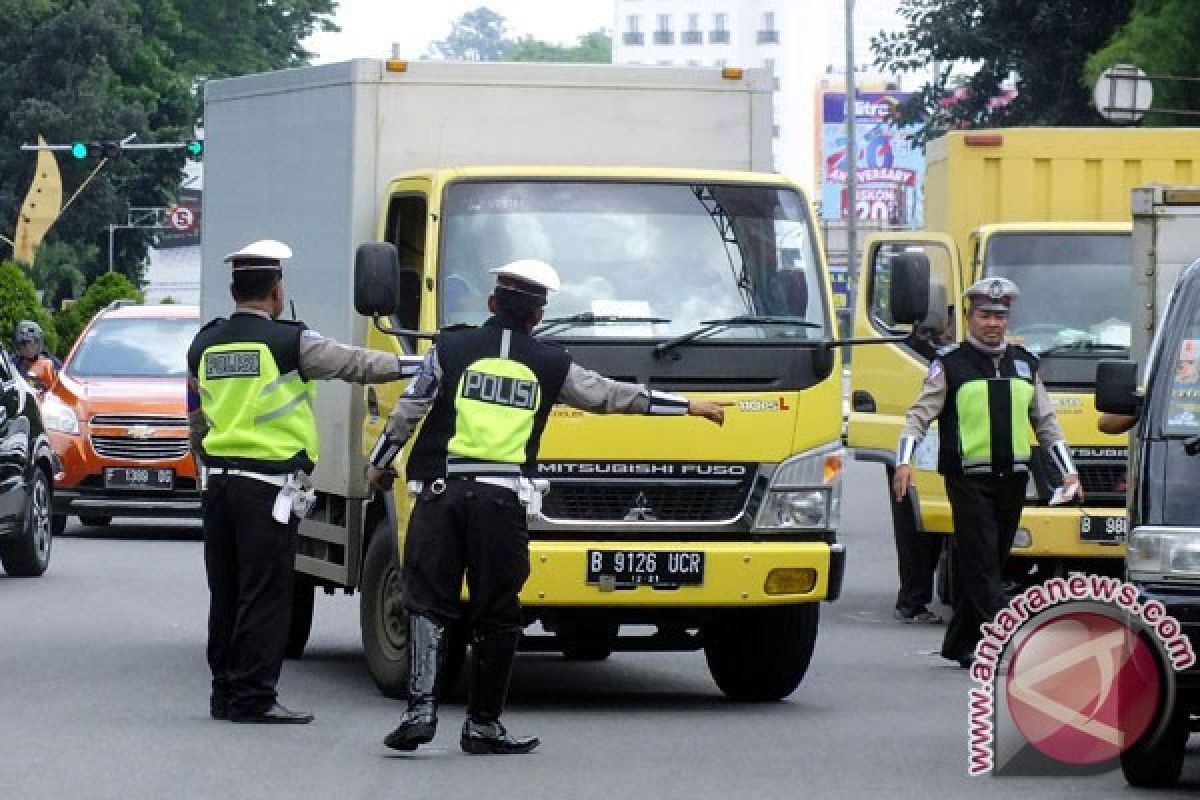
(426,660)
(490,669)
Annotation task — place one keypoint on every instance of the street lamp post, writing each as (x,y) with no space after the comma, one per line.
(851,162)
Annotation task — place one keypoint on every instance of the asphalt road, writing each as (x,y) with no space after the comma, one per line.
(105,696)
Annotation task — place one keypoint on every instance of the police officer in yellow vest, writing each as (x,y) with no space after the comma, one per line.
(488,392)
(984,393)
(250,410)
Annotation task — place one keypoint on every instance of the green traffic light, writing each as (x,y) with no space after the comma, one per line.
(79,150)
(195,147)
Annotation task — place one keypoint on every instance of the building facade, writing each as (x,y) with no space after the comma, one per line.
(785,36)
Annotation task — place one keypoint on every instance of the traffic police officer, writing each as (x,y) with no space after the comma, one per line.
(488,392)
(983,393)
(253,427)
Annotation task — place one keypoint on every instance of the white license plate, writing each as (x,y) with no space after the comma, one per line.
(139,478)
(1102,529)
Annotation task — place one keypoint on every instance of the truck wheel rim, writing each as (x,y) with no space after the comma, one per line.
(40,512)
(393,622)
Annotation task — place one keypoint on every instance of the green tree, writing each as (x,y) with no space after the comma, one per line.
(475,36)
(18,301)
(1041,47)
(1163,38)
(101,69)
(56,274)
(104,290)
(592,48)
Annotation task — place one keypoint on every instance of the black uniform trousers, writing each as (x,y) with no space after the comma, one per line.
(250,560)
(916,553)
(986,511)
(472,528)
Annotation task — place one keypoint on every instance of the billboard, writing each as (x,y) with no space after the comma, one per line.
(890,169)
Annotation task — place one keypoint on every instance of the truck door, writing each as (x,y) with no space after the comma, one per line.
(885,378)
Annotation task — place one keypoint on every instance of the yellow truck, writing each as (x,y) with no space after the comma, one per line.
(686,265)
(1049,209)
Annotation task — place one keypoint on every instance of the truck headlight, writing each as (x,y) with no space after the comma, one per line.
(1163,553)
(58,416)
(804,493)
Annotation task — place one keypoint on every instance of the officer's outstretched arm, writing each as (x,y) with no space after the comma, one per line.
(324,359)
(410,409)
(591,391)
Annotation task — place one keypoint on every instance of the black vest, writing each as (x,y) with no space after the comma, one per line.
(456,351)
(962,364)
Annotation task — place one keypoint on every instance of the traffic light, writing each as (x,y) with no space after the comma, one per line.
(82,150)
(194,147)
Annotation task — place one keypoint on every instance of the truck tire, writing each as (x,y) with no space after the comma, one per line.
(1159,763)
(27,555)
(303,598)
(98,521)
(381,615)
(384,622)
(761,654)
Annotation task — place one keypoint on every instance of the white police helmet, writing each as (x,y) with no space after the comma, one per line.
(263,254)
(537,275)
(992,294)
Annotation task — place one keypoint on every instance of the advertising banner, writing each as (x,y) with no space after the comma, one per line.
(890,169)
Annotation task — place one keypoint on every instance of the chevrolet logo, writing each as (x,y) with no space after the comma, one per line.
(140,432)
(640,511)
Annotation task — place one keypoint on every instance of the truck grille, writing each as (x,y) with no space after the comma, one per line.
(1103,484)
(649,503)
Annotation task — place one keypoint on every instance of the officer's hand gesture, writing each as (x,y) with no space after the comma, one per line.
(1072,487)
(707,409)
(901,481)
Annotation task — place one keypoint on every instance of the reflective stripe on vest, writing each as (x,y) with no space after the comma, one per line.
(495,404)
(993,417)
(253,411)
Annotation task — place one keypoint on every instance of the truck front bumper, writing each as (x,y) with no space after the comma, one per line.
(735,574)
(1182,603)
(1055,533)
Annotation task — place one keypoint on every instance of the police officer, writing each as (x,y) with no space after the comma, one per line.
(488,392)
(30,356)
(982,393)
(250,404)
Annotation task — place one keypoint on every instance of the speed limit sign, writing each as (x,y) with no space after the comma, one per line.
(181,218)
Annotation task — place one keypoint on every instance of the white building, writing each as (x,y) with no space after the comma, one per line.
(784,35)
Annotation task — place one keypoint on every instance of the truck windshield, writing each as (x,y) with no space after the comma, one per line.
(649,260)
(1074,290)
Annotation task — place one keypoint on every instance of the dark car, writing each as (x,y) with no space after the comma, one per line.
(1163,555)
(27,467)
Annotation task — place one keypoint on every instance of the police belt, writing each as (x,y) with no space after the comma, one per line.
(274,480)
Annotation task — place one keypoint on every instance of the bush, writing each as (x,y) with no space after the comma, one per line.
(104,290)
(18,301)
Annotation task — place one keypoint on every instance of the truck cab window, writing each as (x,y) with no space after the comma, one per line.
(880,277)
(407,217)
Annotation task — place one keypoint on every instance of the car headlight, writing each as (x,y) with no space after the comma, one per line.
(1163,553)
(58,416)
(805,492)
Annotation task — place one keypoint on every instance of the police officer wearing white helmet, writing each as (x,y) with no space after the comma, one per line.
(984,393)
(485,394)
(250,411)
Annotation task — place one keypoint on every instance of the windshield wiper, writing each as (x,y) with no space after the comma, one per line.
(710,326)
(1083,347)
(587,319)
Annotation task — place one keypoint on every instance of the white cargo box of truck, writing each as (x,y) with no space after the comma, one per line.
(305,155)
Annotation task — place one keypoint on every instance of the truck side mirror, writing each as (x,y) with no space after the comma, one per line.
(376,279)
(1116,388)
(909,295)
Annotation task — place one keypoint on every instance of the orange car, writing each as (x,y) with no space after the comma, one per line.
(117,418)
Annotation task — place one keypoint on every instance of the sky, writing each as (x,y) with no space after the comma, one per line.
(369,27)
